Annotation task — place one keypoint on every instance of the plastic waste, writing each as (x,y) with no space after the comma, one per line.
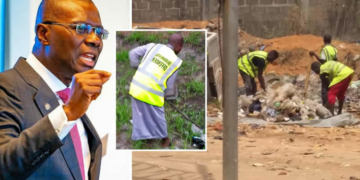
(198,142)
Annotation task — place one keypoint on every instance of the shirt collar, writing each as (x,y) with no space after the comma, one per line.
(50,79)
(170,46)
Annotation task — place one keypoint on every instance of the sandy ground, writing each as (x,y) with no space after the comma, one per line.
(271,152)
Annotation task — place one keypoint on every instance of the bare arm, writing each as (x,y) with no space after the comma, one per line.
(262,48)
(261,79)
(260,63)
(321,60)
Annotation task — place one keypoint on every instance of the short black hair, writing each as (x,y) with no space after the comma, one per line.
(315,66)
(175,39)
(327,38)
(272,55)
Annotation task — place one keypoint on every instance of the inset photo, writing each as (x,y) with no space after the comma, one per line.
(160,90)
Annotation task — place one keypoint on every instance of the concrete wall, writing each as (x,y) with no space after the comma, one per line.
(267,18)
(274,18)
(264,18)
(163,10)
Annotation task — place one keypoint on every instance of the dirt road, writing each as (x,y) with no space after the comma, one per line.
(271,152)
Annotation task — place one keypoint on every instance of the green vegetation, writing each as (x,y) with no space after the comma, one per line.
(144,38)
(122,56)
(189,66)
(191,98)
(196,87)
(195,38)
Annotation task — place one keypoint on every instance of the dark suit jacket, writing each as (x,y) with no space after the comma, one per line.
(29,145)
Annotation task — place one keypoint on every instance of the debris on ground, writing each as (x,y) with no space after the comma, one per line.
(198,142)
(354,178)
(257,165)
(283,104)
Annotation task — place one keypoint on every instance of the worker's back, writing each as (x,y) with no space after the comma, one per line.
(149,82)
(246,65)
(336,70)
(329,53)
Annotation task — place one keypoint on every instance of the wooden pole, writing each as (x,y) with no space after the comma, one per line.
(307,76)
(230,78)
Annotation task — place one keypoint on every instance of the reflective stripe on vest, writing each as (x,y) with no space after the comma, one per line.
(336,70)
(330,52)
(149,82)
(246,65)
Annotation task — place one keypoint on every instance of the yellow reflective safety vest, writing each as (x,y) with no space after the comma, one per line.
(336,70)
(246,65)
(330,52)
(149,82)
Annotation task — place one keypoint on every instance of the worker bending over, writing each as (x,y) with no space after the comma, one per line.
(253,65)
(155,73)
(335,79)
(327,53)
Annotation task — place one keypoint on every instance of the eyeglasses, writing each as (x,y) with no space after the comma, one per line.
(83,28)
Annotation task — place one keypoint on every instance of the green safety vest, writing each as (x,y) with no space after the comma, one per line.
(246,65)
(336,70)
(330,52)
(149,82)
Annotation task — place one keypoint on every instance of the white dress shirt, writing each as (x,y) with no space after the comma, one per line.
(58,117)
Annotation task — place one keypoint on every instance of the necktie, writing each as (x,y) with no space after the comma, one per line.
(74,133)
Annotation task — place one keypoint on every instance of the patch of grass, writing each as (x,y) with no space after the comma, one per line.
(139,144)
(196,87)
(123,111)
(136,36)
(188,66)
(155,38)
(145,38)
(194,38)
(197,117)
(181,127)
(123,56)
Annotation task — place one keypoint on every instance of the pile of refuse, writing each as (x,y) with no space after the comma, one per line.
(282,102)
(352,103)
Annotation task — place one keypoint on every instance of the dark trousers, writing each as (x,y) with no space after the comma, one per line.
(324,95)
(250,84)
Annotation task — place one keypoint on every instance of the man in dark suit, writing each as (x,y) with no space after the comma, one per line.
(44,132)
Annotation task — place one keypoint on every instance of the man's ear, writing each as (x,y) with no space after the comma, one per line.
(43,34)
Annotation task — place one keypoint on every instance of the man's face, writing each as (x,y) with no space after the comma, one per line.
(316,70)
(69,51)
(271,58)
(178,48)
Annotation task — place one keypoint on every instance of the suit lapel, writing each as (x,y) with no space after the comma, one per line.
(44,98)
(46,102)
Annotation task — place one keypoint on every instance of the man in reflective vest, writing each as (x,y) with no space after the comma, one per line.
(335,79)
(253,65)
(327,53)
(155,73)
